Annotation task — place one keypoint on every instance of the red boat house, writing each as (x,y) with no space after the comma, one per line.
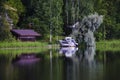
(25,34)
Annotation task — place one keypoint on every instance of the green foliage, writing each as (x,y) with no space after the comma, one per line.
(110,28)
(108,45)
(99,36)
(18,44)
(5,34)
(17,4)
(53,14)
(44,15)
(14,8)
(75,10)
(14,16)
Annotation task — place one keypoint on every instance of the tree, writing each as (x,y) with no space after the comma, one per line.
(75,10)
(110,11)
(5,33)
(44,15)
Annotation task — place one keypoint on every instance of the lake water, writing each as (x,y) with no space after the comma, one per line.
(61,64)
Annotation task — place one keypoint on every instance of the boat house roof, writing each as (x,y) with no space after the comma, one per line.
(25,32)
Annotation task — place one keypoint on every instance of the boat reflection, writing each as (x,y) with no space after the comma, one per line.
(83,61)
(68,51)
(26,59)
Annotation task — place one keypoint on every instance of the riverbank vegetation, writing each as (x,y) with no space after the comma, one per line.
(108,45)
(23,45)
(57,15)
(54,16)
(105,45)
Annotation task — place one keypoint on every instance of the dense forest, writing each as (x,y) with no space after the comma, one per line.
(57,15)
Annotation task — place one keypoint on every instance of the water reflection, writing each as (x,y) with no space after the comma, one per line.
(25,59)
(88,57)
(82,65)
(68,51)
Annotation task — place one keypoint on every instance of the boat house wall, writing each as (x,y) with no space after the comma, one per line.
(25,35)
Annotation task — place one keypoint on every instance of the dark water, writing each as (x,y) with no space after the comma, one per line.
(63,64)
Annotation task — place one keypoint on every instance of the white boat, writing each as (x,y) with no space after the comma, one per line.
(68,42)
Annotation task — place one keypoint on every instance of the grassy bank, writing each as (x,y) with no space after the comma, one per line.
(108,45)
(24,50)
(111,45)
(19,44)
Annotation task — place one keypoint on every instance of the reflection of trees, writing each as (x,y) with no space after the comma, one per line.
(86,57)
(89,56)
(83,66)
(6,68)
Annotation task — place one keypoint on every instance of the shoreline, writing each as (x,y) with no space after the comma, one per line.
(112,45)
(31,47)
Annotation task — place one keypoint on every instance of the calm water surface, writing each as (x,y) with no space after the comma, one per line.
(63,64)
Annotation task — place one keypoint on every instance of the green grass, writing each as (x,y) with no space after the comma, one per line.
(23,50)
(17,48)
(19,44)
(108,45)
